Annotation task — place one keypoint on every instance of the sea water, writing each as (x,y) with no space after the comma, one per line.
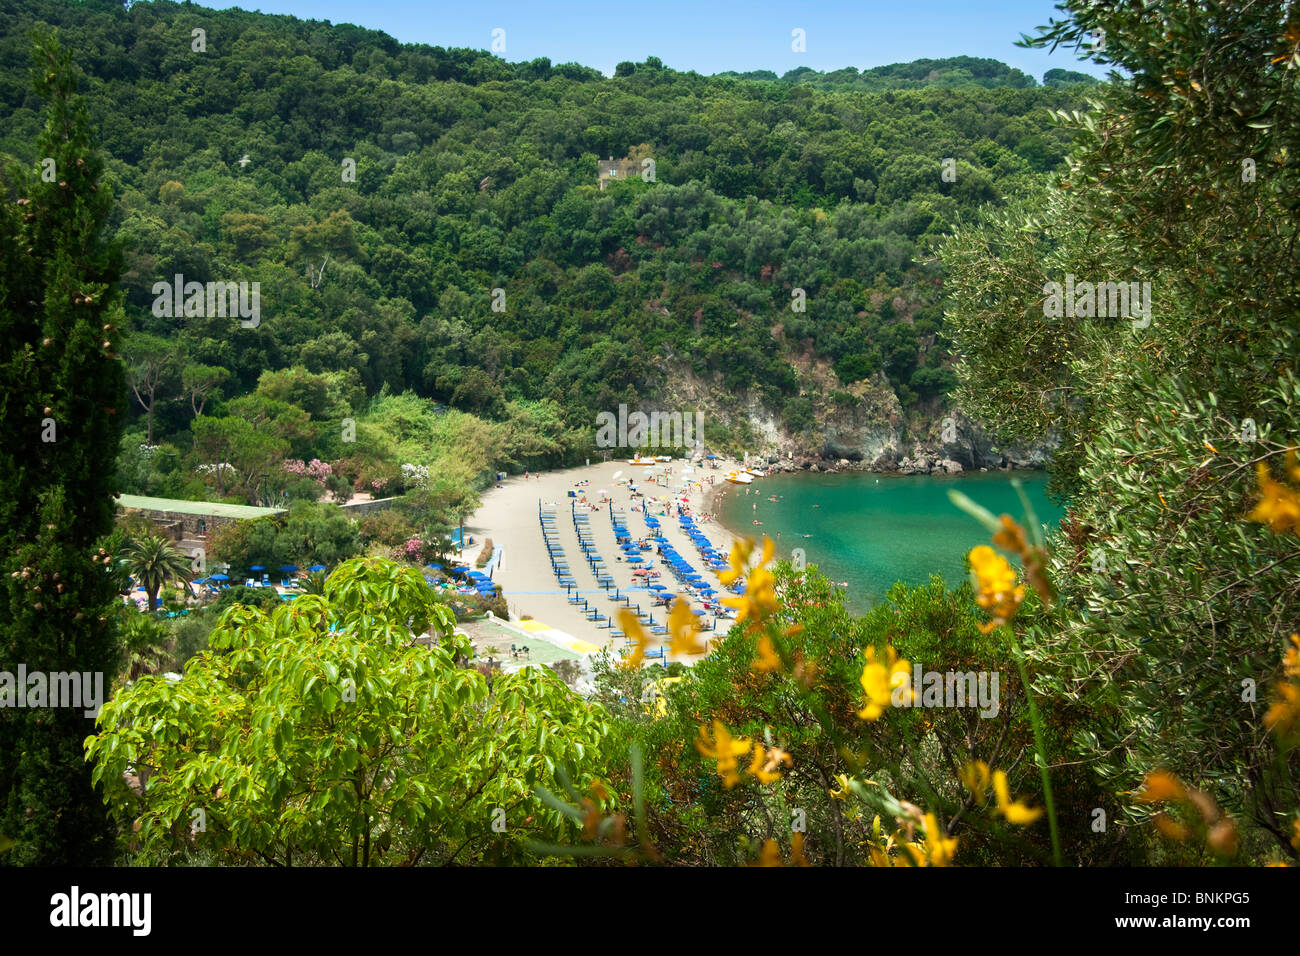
(872,530)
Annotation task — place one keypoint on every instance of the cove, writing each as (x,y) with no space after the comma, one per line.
(871,530)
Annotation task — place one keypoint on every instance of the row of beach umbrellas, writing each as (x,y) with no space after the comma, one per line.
(286,568)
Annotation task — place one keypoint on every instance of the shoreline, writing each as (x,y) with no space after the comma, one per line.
(718,496)
(509,515)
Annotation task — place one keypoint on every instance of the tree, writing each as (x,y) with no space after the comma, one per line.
(151,364)
(198,382)
(236,454)
(60,321)
(154,561)
(1172,606)
(321,733)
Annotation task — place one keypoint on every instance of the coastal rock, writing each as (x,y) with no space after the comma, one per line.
(950,466)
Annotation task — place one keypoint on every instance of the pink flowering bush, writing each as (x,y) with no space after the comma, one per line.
(412,550)
(317,470)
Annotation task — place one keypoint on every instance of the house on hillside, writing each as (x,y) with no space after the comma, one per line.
(612,168)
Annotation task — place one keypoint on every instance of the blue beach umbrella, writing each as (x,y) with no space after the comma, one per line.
(219,577)
(257,567)
(317,567)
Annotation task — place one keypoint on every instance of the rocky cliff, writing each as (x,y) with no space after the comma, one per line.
(862,427)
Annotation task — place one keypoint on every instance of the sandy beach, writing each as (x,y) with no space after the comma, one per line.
(509,516)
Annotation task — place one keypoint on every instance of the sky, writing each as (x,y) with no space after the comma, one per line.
(709,36)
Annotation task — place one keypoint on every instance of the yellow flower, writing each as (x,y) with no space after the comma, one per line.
(842,793)
(767,763)
(976,776)
(724,749)
(996,588)
(1284,716)
(796,851)
(683,629)
(1016,813)
(1291,659)
(1171,828)
(767,660)
(940,847)
(1279,505)
(740,552)
(759,599)
(770,854)
(632,628)
(1011,537)
(1159,786)
(878,681)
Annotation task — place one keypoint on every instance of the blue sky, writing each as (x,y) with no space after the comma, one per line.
(706,35)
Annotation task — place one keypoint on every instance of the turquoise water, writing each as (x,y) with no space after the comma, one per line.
(872,530)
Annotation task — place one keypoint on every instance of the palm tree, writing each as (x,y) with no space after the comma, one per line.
(314,582)
(148,642)
(153,561)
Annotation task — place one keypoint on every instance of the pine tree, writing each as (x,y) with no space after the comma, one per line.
(61,395)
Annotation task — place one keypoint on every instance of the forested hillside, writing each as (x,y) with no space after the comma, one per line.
(234,163)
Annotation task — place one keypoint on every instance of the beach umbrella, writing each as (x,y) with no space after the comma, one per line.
(317,567)
(200,580)
(711,457)
(697,612)
(619,473)
(258,567)
(219,577)
(288,568)
(658,587)
(436,567)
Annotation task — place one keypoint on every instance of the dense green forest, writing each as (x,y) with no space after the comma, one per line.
(380,192)
(1148,643)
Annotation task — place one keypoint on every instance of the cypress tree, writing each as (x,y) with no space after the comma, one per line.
(62,392)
